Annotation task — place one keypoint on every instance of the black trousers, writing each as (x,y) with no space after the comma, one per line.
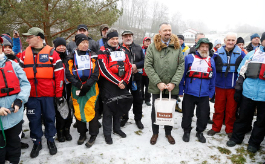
(108,117)
(246,112)
(93,126)
(137,99)
(202,112)
(12,151)
(155,127)
(145,95)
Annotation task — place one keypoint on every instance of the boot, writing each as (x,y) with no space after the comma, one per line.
(91,141)
(139,124)
(186,137)
(148,103)
(211,132)
(24,145)
(108,139)
(67,134)
(81,139)
(52,147)
(120,133)
(177,109)
(60,136)
(252,149)
(35,150)
(231,143)
(123,122)
(200,137)
(75,125)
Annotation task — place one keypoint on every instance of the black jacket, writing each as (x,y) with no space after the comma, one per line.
(136,55)
(93,46)
(249,47)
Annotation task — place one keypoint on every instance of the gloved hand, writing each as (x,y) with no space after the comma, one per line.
(238,96)
(59,100)
(18,103)
(78,85)
(84,90)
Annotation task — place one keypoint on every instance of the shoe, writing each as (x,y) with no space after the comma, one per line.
(99,124)
(52,147)
(153,139)
(139,124)
(210,121)
(177,109)
(178,99)
(91,141)
(212,100)
(81,139)
(229,135)
(123,122)
(186,137)
(170,139)
(67,135)
(200,137)
(75,125)
(231,143)
(22,135)
(211,132)
(35,150)
(24,145)
(120,133)
(148,103)
(60,136)
(252,149)
(108,139)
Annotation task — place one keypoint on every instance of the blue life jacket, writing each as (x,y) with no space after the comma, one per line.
(226,63)
(101,43)
(83,65)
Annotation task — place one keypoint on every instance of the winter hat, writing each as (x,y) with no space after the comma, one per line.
(216,42)
(204,40)
(1,41)
(102,27)
(126,32)
(112,34)
(7,41)
(254,36)
(181,37)
(262,37)
(79,38)
(82,26)
(146,38)
(59,41)
(240,40)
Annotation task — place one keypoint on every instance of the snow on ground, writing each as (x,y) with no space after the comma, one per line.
(136,148)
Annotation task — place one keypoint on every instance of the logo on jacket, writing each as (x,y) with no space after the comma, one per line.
(43,58)
(31,111)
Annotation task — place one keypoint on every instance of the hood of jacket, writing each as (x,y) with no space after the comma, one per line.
(174,42)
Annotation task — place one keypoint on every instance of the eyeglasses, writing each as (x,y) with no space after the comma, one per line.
(29,37)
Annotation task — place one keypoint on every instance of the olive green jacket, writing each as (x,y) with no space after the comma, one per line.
(164,64)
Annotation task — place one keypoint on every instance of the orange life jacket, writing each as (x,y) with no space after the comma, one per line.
(9,83)
(41,68)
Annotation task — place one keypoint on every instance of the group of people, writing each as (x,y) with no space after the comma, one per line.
(87,79)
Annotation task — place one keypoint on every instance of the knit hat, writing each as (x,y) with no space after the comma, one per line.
(79,38)
(216,42)
(82,26)
(146,38)
(240,40)
(59,41)
(7,41)
(204,40)
(112,34)
(262,37)
(102,27)
(1,41)
(34,31)
(254,36)
(181,37)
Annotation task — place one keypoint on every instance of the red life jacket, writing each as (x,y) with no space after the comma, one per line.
(200,68)
(44,67)
(9,83)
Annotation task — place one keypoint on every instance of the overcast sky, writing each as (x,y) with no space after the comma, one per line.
(220,14)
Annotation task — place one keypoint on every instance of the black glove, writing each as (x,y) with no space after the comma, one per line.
(238,96)
(78,85)
(84,90)
(124,83)
(17,102)
(59,100)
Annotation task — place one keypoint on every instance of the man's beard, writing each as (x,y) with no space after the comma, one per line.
(204,55)
(127,43)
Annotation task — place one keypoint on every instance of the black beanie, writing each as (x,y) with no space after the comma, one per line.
(262,37)
(59,41)
(112,34)
(79,38)
(240,40)
(181,37)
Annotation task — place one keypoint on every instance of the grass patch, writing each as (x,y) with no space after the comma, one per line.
(243,151)
(238,159)
(139,132)
(204,162)
(215,157)
(25,130)
(224,150)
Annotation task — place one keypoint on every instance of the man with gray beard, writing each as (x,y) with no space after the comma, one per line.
(199,77)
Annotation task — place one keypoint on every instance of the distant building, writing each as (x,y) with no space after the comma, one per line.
(189,36)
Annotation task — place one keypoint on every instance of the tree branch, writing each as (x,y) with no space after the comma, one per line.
(104,6)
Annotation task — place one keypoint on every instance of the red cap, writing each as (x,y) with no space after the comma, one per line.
(145,38)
